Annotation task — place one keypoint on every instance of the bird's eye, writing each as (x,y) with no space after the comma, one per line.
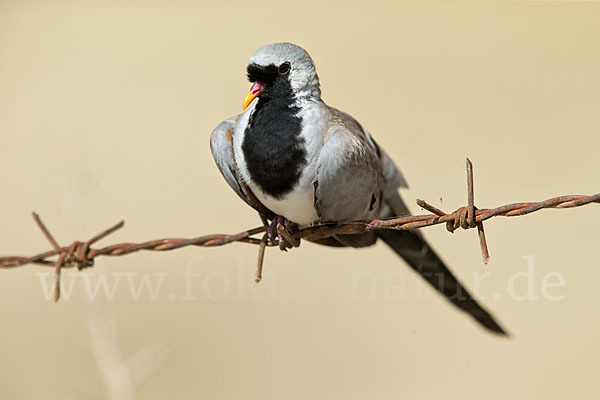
(284,68)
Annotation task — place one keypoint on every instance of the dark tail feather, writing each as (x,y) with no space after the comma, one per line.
(413,248)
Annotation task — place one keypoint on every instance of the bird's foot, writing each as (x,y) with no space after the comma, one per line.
(278,228)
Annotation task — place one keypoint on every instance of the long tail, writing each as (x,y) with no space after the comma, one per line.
(412,247)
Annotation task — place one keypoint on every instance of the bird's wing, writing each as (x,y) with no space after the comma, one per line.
(352,168)
(349,176)
(393,180)
(221,146)
(355,177)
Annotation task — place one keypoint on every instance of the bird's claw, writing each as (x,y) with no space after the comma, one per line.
(278,228)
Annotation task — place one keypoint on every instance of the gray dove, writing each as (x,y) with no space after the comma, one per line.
(299,162)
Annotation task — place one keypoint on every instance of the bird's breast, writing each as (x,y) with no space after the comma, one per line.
(273,149)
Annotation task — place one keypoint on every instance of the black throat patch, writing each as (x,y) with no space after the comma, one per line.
(273,149)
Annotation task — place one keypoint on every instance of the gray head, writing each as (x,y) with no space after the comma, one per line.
(279,68)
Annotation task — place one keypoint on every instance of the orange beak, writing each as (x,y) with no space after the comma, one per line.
(256,89)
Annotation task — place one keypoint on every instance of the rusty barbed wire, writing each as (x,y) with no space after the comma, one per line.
(81,254)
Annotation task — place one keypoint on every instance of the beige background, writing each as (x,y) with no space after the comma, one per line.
(105,113)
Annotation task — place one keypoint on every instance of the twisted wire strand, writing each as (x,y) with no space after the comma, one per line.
(314,232)
(81,254)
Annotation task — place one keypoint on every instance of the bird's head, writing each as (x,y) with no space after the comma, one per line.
(280,70)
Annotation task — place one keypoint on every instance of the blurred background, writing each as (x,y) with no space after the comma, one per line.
(106,109)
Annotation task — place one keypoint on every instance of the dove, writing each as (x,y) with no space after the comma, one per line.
(299,162)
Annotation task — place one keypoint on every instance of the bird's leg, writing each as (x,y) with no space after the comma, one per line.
(284,239)
(273,233)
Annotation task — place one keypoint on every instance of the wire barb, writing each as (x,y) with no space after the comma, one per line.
(261,257)
(45,230)
(81,255)
(471,219)
(289,239)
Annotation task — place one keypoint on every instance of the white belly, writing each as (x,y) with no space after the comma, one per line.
(297,206)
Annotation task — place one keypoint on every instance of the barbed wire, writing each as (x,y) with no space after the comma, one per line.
(81,255)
